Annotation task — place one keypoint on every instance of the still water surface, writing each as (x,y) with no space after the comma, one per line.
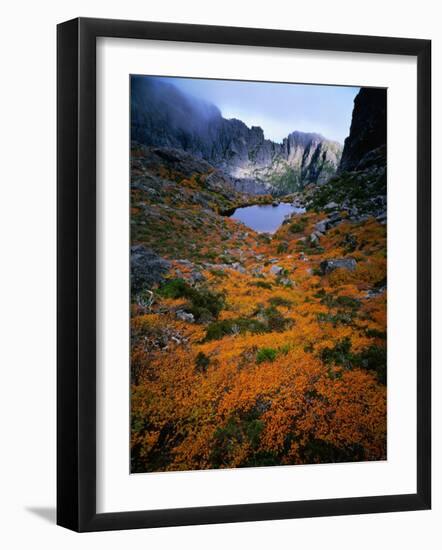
(265,218)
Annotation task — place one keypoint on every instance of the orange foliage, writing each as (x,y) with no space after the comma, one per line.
(201,403)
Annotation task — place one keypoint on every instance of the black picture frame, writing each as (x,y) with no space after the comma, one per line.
(76,274)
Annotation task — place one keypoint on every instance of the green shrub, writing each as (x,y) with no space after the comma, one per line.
(262,284)
(205,300)
(203,303)
(349,243)
(339,318)
(342,309)
(218,273)
(375,333)
(237,429)
(175,288)
(319,451)
(298,226)
(340,354)
(219,329)
(279,301)
(202,362)
(266,354)
(275,320)
(282,247)
(372,358)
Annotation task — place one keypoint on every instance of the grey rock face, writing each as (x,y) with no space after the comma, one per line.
(276,270)
(147,268)
(250,186)
(368,130)
(314,239)
(327,266)
(322,226)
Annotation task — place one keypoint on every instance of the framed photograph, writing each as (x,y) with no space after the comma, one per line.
(243,274)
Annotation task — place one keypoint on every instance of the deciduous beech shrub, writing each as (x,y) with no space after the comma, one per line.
(272,367)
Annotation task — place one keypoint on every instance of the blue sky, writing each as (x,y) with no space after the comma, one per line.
(279,108)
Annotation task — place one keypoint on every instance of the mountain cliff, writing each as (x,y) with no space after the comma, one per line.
(360,186)
(368,131)
(162,115)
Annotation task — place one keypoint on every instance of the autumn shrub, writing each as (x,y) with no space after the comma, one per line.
(261,383)
(266,354)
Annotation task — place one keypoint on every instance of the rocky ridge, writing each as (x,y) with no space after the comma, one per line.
(163,116)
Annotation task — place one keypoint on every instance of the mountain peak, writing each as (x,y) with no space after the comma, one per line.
(162,115)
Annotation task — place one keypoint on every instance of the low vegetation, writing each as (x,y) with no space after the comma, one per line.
(248,355)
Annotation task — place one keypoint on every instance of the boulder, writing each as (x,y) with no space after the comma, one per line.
(327,266)
(147,268)
(322,226)
(184,316)
(331,206)
(196,277)
(276,270)
(314,238)
(334,217)
(238,267)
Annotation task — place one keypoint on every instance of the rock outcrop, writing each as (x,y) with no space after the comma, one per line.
(163,116)
(147,268)
(327,266)
(368,131)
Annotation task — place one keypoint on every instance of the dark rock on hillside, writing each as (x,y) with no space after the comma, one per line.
(327,266)
(147,268)
(163,116)
(368,131)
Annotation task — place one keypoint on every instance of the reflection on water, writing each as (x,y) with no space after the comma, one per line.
(265,218)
